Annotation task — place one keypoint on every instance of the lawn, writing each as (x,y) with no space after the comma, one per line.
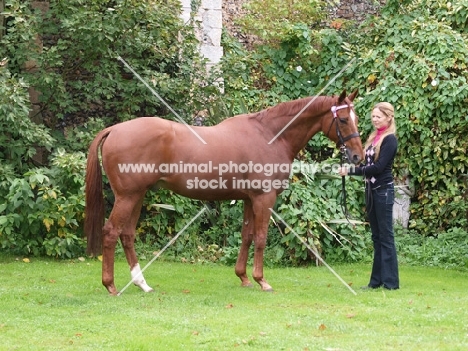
(61,305)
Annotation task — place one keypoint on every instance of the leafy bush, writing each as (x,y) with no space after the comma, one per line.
(271,21)
(19,136)
(415,58)
(412,55)
(77,69)
(42,212)
(312,206)
(448,249)
(79,77)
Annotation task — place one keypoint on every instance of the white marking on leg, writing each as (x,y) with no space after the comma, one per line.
(164,248)
(138,279)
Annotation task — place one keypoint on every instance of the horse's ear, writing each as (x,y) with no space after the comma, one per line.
(353,95)
(342,96)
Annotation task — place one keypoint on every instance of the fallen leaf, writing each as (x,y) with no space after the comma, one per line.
(195,332)
(350,315)
(186,291)
(26,260)
(52,281)
(78,334)
(263,333)
(322,327)
(371,78)
(81,259)
(99,258)
(229,305)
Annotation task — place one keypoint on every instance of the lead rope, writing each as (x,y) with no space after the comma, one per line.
(369,197)
(344,204)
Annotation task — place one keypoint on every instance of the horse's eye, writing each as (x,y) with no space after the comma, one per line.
(343,120)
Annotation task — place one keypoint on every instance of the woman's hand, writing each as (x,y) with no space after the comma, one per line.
(343,171)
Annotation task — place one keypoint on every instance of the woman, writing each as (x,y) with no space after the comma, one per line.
(380,150)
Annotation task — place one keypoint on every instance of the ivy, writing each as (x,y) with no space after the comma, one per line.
(417,61)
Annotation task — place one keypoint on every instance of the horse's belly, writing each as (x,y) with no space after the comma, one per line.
(233,187)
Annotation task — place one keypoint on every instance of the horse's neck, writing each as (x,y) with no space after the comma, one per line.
(305,125)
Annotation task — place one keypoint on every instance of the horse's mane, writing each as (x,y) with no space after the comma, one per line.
(291,108)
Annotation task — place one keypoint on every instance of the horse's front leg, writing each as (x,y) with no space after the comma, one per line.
(247,237)
(262,213)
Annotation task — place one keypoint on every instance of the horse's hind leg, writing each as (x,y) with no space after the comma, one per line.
(109,240)
(247,237)
(121,223)
(127,237)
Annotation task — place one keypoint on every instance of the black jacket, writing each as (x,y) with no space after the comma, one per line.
(378,173)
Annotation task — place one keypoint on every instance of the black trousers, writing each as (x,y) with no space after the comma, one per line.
(380,215)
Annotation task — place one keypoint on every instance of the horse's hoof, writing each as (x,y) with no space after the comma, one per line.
(269,290)
(145,287)
(112,290)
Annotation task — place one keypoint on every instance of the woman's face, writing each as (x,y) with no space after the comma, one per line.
(379,119)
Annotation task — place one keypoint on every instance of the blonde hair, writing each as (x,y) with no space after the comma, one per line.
(387,109)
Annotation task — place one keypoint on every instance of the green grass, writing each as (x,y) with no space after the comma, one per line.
(61,305)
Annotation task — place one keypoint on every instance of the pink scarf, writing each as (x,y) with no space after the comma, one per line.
(378,136)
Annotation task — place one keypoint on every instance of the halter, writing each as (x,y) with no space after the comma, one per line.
(338,132)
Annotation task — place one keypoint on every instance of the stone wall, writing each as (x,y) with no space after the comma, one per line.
(356,9)
(213,15)
(210,20)
(345,9)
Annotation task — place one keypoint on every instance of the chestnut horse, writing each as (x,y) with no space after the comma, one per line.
(245,157)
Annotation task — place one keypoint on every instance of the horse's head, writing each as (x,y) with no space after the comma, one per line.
(345,132)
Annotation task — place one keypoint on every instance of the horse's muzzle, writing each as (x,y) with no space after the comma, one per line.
(354,158)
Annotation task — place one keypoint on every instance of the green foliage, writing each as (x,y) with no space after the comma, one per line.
(164,214)
(19,136)
(77,70)
(79,77)
(271,21)
(417,61)
(412,55)
(312,206)
(447,249)
(41,213)
(282,65)
(288,68)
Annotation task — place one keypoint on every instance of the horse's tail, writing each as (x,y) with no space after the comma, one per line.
(94,210)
